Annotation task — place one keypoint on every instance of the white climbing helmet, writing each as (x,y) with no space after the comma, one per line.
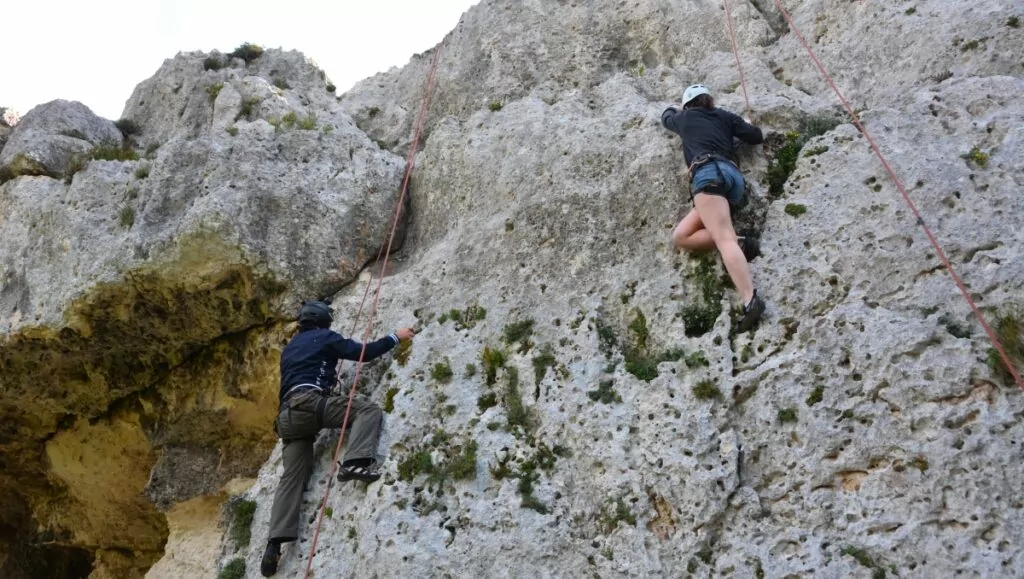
(694,91)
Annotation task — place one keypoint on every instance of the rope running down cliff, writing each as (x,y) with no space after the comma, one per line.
(903,191)
(410,161)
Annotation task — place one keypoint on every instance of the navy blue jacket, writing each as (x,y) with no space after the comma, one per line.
(311,357)
(709,131)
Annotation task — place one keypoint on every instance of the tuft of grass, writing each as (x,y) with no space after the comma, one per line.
(787,415)
(1009,331)
(372,112)
(142,172)
(212,63)
(389,399)
(331,87)
(241,522)
(247,52)
(282,83)
(232,130)
(235,569)
(606,338)
(126,216)
(699,318)
(970,45)
(795,209)
(465,319)
(402,352)
(492,359)
(486,401)
(518,415)
(865,560)
(248,108)
(619,512)
(415,463)
(639,328)
(127,127)
(816,395)
(518,332)
(308,123)
(112,152)
(75,164)
(470,371)
(495,106)
(543,360)
(910,10)
(442,372)
(214,89)
(706,390)
(463,465)
(782,166)
(815,151)
(1013,22)
(605,393)
(329,512)
(976,156)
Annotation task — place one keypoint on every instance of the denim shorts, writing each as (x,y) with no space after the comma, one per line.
(722,178)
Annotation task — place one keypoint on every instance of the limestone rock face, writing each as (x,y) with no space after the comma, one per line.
(575,402)
(52,135)
(860,430)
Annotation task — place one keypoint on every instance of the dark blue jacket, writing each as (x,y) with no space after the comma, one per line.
(709,131)
(311,357)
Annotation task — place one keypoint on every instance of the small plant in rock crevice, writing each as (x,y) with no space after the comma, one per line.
(787,415)
(126,216)
(402,352)
(242,511)
(442,372)
(247,52)
(235,569)
(616,512)
(795,209)
(543,360)
(1010,332)
(492,359)
(700,315)
(605,393)
(389,399)
(706,390)
(495,106)
(977,157)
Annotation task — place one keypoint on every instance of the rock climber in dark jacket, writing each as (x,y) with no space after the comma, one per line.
(717,185)
(308,365)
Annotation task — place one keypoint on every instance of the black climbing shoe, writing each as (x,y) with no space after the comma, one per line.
(751,314)
(751,247)
(268,566)
(347,473)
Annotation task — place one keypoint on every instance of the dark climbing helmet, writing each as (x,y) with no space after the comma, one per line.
(316,313)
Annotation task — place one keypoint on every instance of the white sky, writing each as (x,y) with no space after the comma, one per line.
(96,51)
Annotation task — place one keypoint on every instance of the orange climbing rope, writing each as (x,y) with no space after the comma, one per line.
(736,54)
(906,197)
(424,102)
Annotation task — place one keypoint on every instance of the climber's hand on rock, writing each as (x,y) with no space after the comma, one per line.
(405,334)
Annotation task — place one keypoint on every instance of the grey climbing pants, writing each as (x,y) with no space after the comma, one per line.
(297,425)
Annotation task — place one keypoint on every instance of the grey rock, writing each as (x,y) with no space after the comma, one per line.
(858,431)
(52,135)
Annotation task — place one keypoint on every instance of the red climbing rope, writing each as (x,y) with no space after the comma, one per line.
(736,53)
(906,197)
(424,102)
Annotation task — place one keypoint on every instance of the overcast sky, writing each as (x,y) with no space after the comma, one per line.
(96,51)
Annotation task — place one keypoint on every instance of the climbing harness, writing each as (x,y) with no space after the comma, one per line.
(424,102)
(996,344)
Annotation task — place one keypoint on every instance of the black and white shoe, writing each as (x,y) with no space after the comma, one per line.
(363,473)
